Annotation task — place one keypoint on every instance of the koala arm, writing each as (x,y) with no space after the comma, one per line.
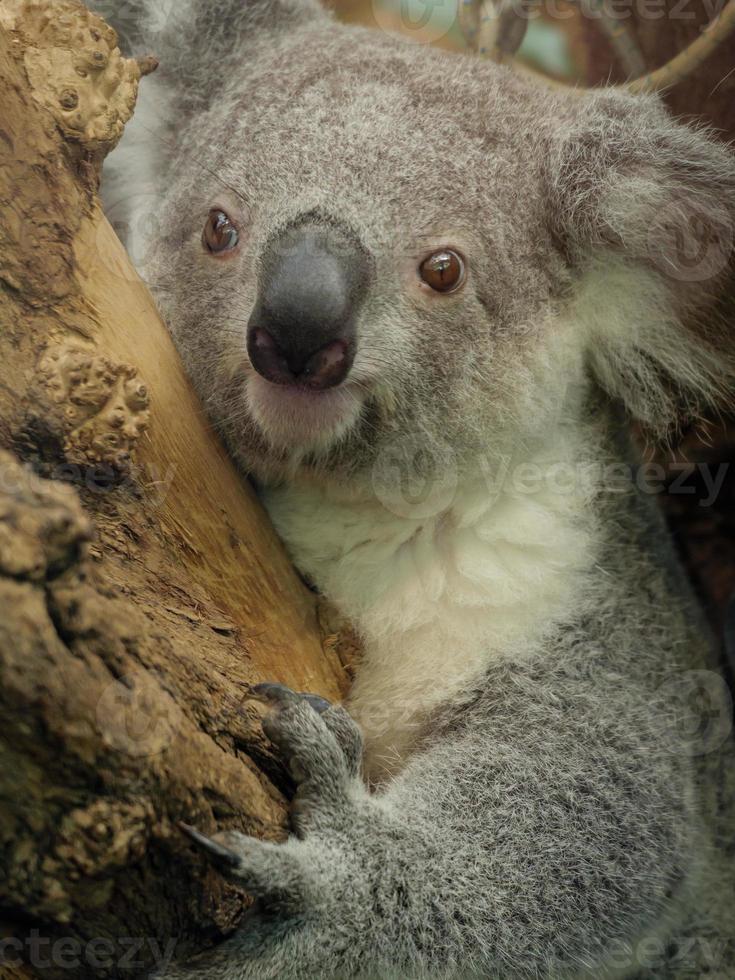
(526,843)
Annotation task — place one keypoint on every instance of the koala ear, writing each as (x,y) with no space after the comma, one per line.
(200,45)
(227,23)
(192,37)
(644,209)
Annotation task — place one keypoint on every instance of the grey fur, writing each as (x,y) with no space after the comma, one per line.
(548,818)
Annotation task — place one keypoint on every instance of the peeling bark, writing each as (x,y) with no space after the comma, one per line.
(142,590)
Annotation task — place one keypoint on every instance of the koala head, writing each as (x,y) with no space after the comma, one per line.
(359,241)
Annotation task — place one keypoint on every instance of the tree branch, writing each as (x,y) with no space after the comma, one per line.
(142,590)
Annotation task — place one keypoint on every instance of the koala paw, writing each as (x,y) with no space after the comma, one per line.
(318,740)
(322,746)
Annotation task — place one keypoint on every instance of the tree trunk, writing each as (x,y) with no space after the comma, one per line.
(142,590)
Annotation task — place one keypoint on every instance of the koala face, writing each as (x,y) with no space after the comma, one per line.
(363,243)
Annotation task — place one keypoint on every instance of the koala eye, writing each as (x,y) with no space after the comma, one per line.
(220,234)
(444,271)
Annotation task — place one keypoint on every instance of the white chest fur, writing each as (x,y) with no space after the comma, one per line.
(437,597)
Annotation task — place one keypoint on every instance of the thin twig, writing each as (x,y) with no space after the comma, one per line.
(497,30)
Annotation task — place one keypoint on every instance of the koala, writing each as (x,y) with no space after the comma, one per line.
(419,296)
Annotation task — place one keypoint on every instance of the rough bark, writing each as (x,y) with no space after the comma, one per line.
(142,590)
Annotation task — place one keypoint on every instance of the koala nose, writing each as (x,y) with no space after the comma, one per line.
(302,330)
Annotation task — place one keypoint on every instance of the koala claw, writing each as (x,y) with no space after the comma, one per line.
(305,727)
(318,703)
(275,874)
(294,883)
(220,856)
(272,692)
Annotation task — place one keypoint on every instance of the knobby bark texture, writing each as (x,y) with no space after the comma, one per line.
(142,590)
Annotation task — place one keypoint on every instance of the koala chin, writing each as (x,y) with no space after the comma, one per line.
(419,296)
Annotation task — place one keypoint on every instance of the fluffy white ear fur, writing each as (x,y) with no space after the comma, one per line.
(643,352)
(645,209)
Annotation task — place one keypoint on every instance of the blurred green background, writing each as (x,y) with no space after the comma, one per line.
(556,43)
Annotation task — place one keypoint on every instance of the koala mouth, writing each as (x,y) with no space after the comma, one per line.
(293,416)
